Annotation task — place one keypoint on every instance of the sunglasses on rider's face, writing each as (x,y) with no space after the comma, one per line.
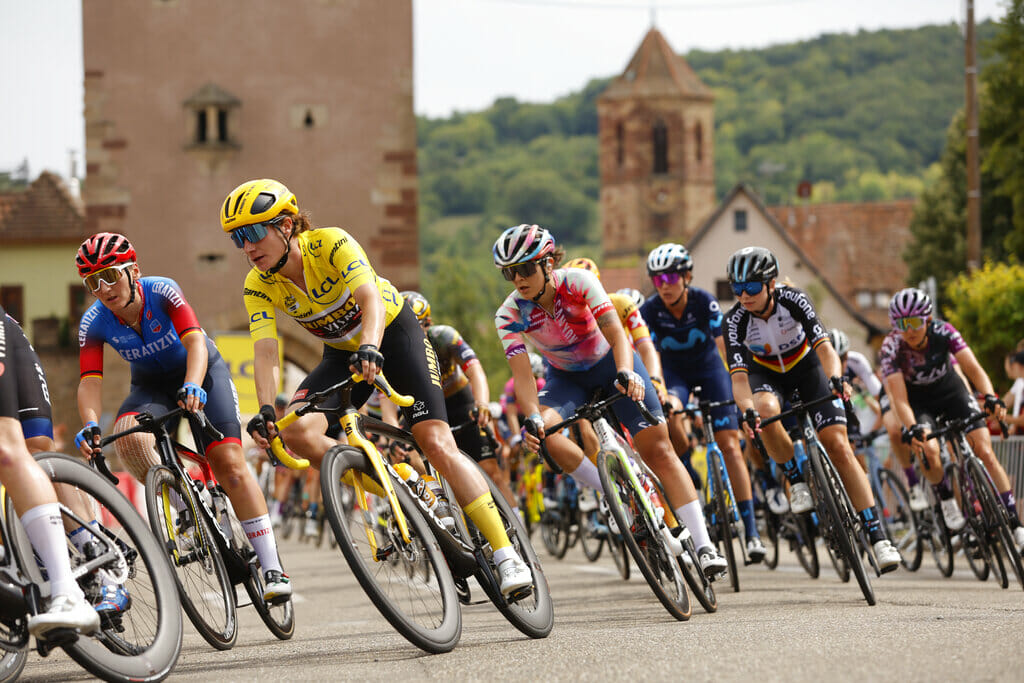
(521,269)
(251,233)
(662,279)
(913,322)
(107,276)
(751,288)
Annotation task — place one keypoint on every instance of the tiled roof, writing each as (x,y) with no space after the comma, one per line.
(44,212)
(858,245)
(655,70)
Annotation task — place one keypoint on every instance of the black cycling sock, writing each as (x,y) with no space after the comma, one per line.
(792,471)
(869,517)
(942,490)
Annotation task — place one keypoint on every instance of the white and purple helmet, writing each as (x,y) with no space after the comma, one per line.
(522,243)
(909,302)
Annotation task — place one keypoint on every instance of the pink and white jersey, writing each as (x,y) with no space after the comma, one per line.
(925,366)
(569,337)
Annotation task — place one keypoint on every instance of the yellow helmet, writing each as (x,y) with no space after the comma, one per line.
(585,264)
(419,304)
(256,201)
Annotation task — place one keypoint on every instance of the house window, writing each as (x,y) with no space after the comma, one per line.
(864,298)
(723,290)
(659,136)
(620,147)
(77,303)
(739,220)
(882,299)
(12,298)
(698,138)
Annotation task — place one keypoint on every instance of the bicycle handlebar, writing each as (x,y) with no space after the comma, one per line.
(277,451)
(798,407)
(962,423)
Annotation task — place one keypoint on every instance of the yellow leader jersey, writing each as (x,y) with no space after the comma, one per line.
(631,319)
(334,265)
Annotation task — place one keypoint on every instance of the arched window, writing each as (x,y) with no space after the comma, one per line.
(698,138)
(620,144)
(659,135)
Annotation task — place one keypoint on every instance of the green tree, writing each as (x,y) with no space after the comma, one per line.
(542,196)
(987,307)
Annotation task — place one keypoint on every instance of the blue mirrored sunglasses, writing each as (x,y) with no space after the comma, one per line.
(751,288)
(251,233)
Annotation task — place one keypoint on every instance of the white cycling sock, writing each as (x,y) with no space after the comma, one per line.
(261,534)
(46,532)
(587,474)
(692,517)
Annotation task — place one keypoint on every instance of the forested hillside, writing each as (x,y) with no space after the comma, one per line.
(862,116)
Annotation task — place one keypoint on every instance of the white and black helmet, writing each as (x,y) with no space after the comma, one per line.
(669,258)
(522,243)
(839,340)
(752,264)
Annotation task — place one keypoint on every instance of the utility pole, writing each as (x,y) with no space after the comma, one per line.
(973,163)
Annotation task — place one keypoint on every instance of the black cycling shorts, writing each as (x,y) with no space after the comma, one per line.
(808,378)
(23,391)
(471,441)
(946,397)
(410,366)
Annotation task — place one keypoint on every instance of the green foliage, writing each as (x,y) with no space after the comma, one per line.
(987,307)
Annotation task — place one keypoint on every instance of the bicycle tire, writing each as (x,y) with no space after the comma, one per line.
(802,542)
(654,559)
(279,618)
(206,590)
(898,520)
(554,531)
(997,521)
(534,615)
(702,586)
(620,556)
(972,536)
(426,613)
(591,541)
(767,524)
(933,529)
(12,664)
(841,523)
(153,655)
(723,518)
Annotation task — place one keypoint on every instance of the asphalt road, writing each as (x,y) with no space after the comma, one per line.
(782,626)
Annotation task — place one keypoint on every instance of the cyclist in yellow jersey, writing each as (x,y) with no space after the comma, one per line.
(322,279)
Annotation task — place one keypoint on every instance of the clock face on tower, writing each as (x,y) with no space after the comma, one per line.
(660,197)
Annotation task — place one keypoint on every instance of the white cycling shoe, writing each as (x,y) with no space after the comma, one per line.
(515,575)
(777,502)
(800,499)
(951,514)
(711,563)
(1018,538)
(888,557)
(65,611)
(918,500)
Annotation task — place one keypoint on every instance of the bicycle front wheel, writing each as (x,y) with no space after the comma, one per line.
(899,521)
(997,521)
(642,536)
(207,592)
(722,512)
(591,536)
(408,582)
(143,642)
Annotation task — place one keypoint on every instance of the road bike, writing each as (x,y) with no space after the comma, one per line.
(193,520)
(988,535)
(838,523)
(631,507)
(143,642)
(403,555)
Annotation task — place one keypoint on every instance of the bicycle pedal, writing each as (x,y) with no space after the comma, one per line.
(521,594)
(55,638)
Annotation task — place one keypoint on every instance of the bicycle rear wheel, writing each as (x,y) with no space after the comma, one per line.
(591,536)
(997,521)
(800,532)
(418,601)
(702,587)
(12,664)
(144,641)
(899,521)
(722,513)
(840,527)
(207,592)
(642,536)
(932,528)
(554,531)
(767,524)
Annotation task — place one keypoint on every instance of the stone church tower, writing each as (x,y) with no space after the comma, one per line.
(185,99)
(656,154)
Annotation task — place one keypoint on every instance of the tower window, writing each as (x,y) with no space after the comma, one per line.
(620,151)
(660,140)
(213,113)
(201,126)
(698,139)
(222,125)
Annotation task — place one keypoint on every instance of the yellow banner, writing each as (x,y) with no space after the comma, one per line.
(236,349)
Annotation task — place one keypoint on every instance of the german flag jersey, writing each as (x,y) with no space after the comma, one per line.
(778,343)
(334,266)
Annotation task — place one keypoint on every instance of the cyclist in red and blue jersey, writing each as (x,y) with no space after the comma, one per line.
(569,319)
(775,346)
(686,326)
(916,361)
(173,363)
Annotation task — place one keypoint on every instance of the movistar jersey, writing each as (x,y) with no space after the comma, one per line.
(689,339)
(166,319)
(334,266)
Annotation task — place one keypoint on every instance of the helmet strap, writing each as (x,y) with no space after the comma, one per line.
(768,304)
(544,288)
(131,287)
(287,252)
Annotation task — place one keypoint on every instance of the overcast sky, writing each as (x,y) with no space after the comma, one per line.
(467,52)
